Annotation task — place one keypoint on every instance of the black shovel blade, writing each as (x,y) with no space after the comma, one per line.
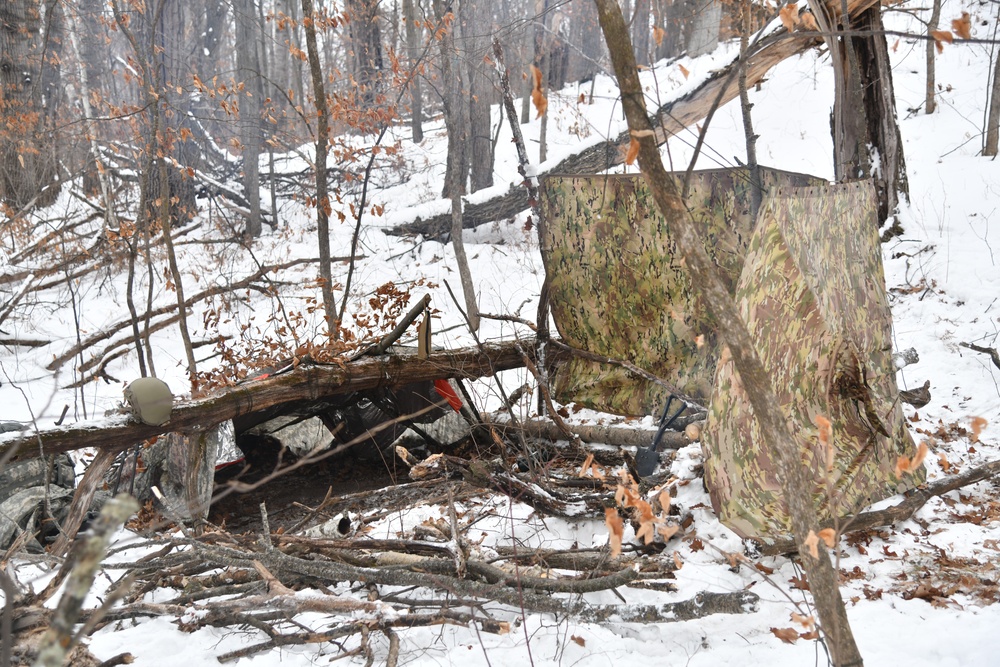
(646,460)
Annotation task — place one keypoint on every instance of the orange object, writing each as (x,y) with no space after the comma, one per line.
(443,387)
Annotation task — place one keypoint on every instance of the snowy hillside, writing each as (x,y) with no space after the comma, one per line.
(923,593)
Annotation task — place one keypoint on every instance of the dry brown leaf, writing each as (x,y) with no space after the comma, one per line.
(806,622)
(787,635)
(789,15)
(905,465)
(633,151)
(586,466)
(978,424)
(658,34)
(808,21)
(812,544)
(829,537)
(678,563)
(945,463)
(684,70)
(615,529)
(578,640)
(596,471)
(962,26)
(940,37)
(895,45)
(825,429)
(666,532)
(693,431)
(537,98)
(664,499)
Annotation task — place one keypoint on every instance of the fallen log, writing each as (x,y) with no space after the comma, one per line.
(308,387)
(670,119)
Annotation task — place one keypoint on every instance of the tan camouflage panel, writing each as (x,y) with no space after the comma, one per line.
(812,293)
(618,287)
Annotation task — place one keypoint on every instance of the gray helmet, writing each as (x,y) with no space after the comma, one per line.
(150,400)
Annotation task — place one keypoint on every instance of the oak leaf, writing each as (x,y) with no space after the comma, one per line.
(658,34)
(633,151)
(684,70)
(615,529)
(962,26)
(789,15)
(829,537)
(787,635)
(537,97)
(940,37)
(812,544)
(978,424)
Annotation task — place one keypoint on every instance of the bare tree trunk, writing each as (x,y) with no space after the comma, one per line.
(413,33)
(365,42)
(640,31)
(704,35)
(751,139)
(178,279)
(882,136)
(850,155)
(477,27)
(468,288)
(248,68)
(456,109)
(29,93)
(822,576)
(322,148)
(930,97)
(993,118)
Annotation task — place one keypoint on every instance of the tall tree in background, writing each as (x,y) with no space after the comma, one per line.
(413,34)
(249,75)
(364,46)
(477,24)
(30,45)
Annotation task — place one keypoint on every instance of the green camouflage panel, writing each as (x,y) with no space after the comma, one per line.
(812,293)
(618,287)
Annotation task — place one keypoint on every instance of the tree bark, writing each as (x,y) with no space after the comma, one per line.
(478,24)
(823,577)
(879,103)
(456,108)
(930,94)
(365,43)
(29,93)
(993,117)
(322,148)
(704,27)
(413,33)
(249,68)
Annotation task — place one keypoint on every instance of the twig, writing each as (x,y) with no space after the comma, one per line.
(994,355)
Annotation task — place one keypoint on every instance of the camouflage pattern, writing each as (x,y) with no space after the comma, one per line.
(618,286)
(812,293)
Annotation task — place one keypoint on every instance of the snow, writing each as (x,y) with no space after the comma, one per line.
(944,283)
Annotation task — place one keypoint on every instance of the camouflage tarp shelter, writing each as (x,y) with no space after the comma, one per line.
(807,274)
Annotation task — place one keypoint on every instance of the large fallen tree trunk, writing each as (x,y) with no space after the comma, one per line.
(307,387)
(670,119)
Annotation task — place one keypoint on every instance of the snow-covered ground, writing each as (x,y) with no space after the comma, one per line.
(922,593)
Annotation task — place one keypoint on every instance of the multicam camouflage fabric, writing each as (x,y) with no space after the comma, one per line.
(808,277)
(618,287)
(812,294)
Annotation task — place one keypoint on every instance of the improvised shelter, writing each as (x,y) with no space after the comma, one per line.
(807,274)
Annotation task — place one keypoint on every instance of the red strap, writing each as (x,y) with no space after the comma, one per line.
(443,387)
